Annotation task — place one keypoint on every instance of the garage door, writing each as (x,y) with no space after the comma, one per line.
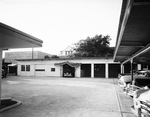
(86,70)
(99,70)
(114,70)
(40,70)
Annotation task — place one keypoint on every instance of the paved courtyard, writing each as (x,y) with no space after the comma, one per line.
(65,97)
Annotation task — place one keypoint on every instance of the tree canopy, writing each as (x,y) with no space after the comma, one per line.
(97,46)
(48,57)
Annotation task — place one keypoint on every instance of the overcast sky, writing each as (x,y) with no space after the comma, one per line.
(60,23)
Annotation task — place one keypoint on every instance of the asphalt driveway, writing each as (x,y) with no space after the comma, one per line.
(62,97)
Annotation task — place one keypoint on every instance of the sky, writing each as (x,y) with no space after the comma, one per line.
(61,23)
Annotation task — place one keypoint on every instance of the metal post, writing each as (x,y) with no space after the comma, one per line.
(131,69)
(122,68)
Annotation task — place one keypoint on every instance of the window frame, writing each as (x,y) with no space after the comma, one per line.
(53,69)
(39,70)
(27,68)
(23,68)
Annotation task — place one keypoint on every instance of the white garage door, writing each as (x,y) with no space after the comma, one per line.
(40,70)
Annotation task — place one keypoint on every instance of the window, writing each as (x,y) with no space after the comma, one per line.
(22,67)
(27,67)
(39,69)
(52,69)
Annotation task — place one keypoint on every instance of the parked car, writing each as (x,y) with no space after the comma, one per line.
(122,74)
(141,103)
(124,80)
(137,84)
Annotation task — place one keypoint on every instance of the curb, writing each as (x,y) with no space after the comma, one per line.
(12,106)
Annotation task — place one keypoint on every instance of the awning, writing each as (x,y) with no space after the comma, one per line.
(133,40)
(13,38)
(68,63)
(12,65)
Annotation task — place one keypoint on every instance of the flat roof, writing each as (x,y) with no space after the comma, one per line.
(13,38)
(78,58)
(133,32)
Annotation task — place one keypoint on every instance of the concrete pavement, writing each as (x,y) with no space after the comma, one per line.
(66,97)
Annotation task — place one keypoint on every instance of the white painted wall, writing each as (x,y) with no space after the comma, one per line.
(26,73)
(40,73)
(78,72)
(48,64)
(52,73)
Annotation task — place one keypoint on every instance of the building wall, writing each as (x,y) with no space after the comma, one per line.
(12,56)
(48,66)
(26,73)
(78,72)
(41,55)
(49,70)
(68,51)
(37,67)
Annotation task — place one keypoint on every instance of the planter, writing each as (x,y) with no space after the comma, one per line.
(8,103)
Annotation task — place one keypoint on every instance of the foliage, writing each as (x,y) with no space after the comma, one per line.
(48,57)
(54,56)
(97,46)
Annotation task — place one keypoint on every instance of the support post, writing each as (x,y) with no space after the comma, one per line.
(32,53)
(0,74)
(131,69)
(138,66)
(92,70)
(122,68)
(106,70)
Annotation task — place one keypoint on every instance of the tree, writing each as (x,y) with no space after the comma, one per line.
(54,56)
(97,46)
(47,57)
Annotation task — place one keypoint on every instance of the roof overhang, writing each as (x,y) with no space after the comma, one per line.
(12,65)
(68,63)
(12,38)
(134,32)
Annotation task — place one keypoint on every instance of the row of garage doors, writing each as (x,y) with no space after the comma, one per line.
(100,71)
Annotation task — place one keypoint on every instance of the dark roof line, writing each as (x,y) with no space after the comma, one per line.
(64,58)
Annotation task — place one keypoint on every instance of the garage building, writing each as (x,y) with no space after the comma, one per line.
(69,67)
